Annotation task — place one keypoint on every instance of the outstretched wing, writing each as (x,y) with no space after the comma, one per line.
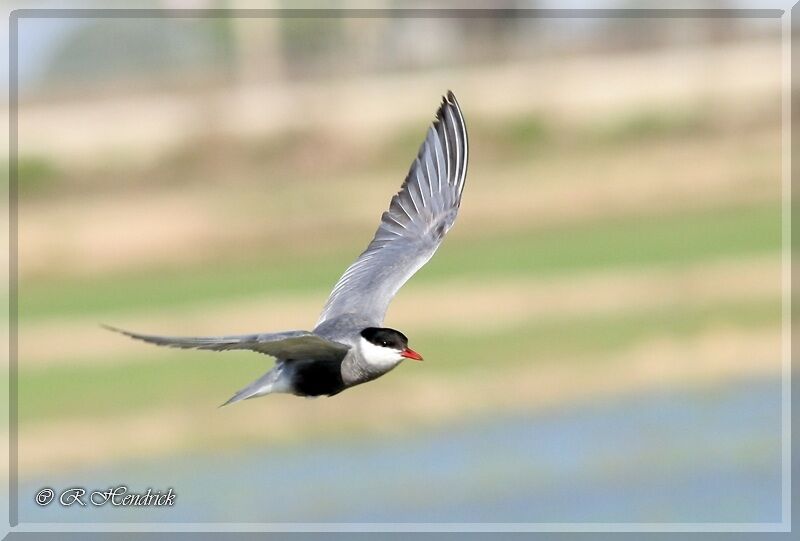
(412,229)
(285,345)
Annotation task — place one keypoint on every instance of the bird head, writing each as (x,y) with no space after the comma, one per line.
(386,347)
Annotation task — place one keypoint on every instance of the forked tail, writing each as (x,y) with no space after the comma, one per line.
(274,381)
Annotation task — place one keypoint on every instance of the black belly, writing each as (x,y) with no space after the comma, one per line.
(315,378)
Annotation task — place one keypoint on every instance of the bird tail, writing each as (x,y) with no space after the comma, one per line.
(274,381)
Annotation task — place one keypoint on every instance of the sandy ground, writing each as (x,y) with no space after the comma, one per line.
(178,225)
(569,87)
(411,403)
(81,340)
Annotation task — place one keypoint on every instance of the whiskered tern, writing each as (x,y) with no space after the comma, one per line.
(349,345)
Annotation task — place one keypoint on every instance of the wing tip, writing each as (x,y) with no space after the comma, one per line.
(115,329)
(455,119)
(448,99)
(142,337)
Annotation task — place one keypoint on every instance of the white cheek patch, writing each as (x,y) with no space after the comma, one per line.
(379,356)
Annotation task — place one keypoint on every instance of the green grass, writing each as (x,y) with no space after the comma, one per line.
(648,125)
(633,242)
(554,338)
(35,175)
(625,242)
(206,379)
(169,378)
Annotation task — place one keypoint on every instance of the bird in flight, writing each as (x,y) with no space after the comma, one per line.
(349,345)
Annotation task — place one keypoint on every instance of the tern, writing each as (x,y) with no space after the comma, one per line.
(349,344)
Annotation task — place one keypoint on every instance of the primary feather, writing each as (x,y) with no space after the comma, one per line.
(419,216)
(283,345)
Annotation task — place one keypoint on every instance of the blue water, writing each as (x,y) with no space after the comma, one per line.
(695,455)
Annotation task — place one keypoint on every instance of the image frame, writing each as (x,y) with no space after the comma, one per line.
(790,172)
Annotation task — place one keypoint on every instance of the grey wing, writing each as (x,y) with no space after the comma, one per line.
(412,229)
(285,345)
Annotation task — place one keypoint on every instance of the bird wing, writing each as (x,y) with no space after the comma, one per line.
(285,345)
(419,216)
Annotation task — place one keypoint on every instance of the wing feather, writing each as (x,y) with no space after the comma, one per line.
(419,216)
(289,345)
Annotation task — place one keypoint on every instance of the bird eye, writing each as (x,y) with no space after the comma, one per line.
(384,343)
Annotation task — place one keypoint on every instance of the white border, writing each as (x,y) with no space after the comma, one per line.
(783,526)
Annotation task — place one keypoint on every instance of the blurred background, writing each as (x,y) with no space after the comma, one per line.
(601,328)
